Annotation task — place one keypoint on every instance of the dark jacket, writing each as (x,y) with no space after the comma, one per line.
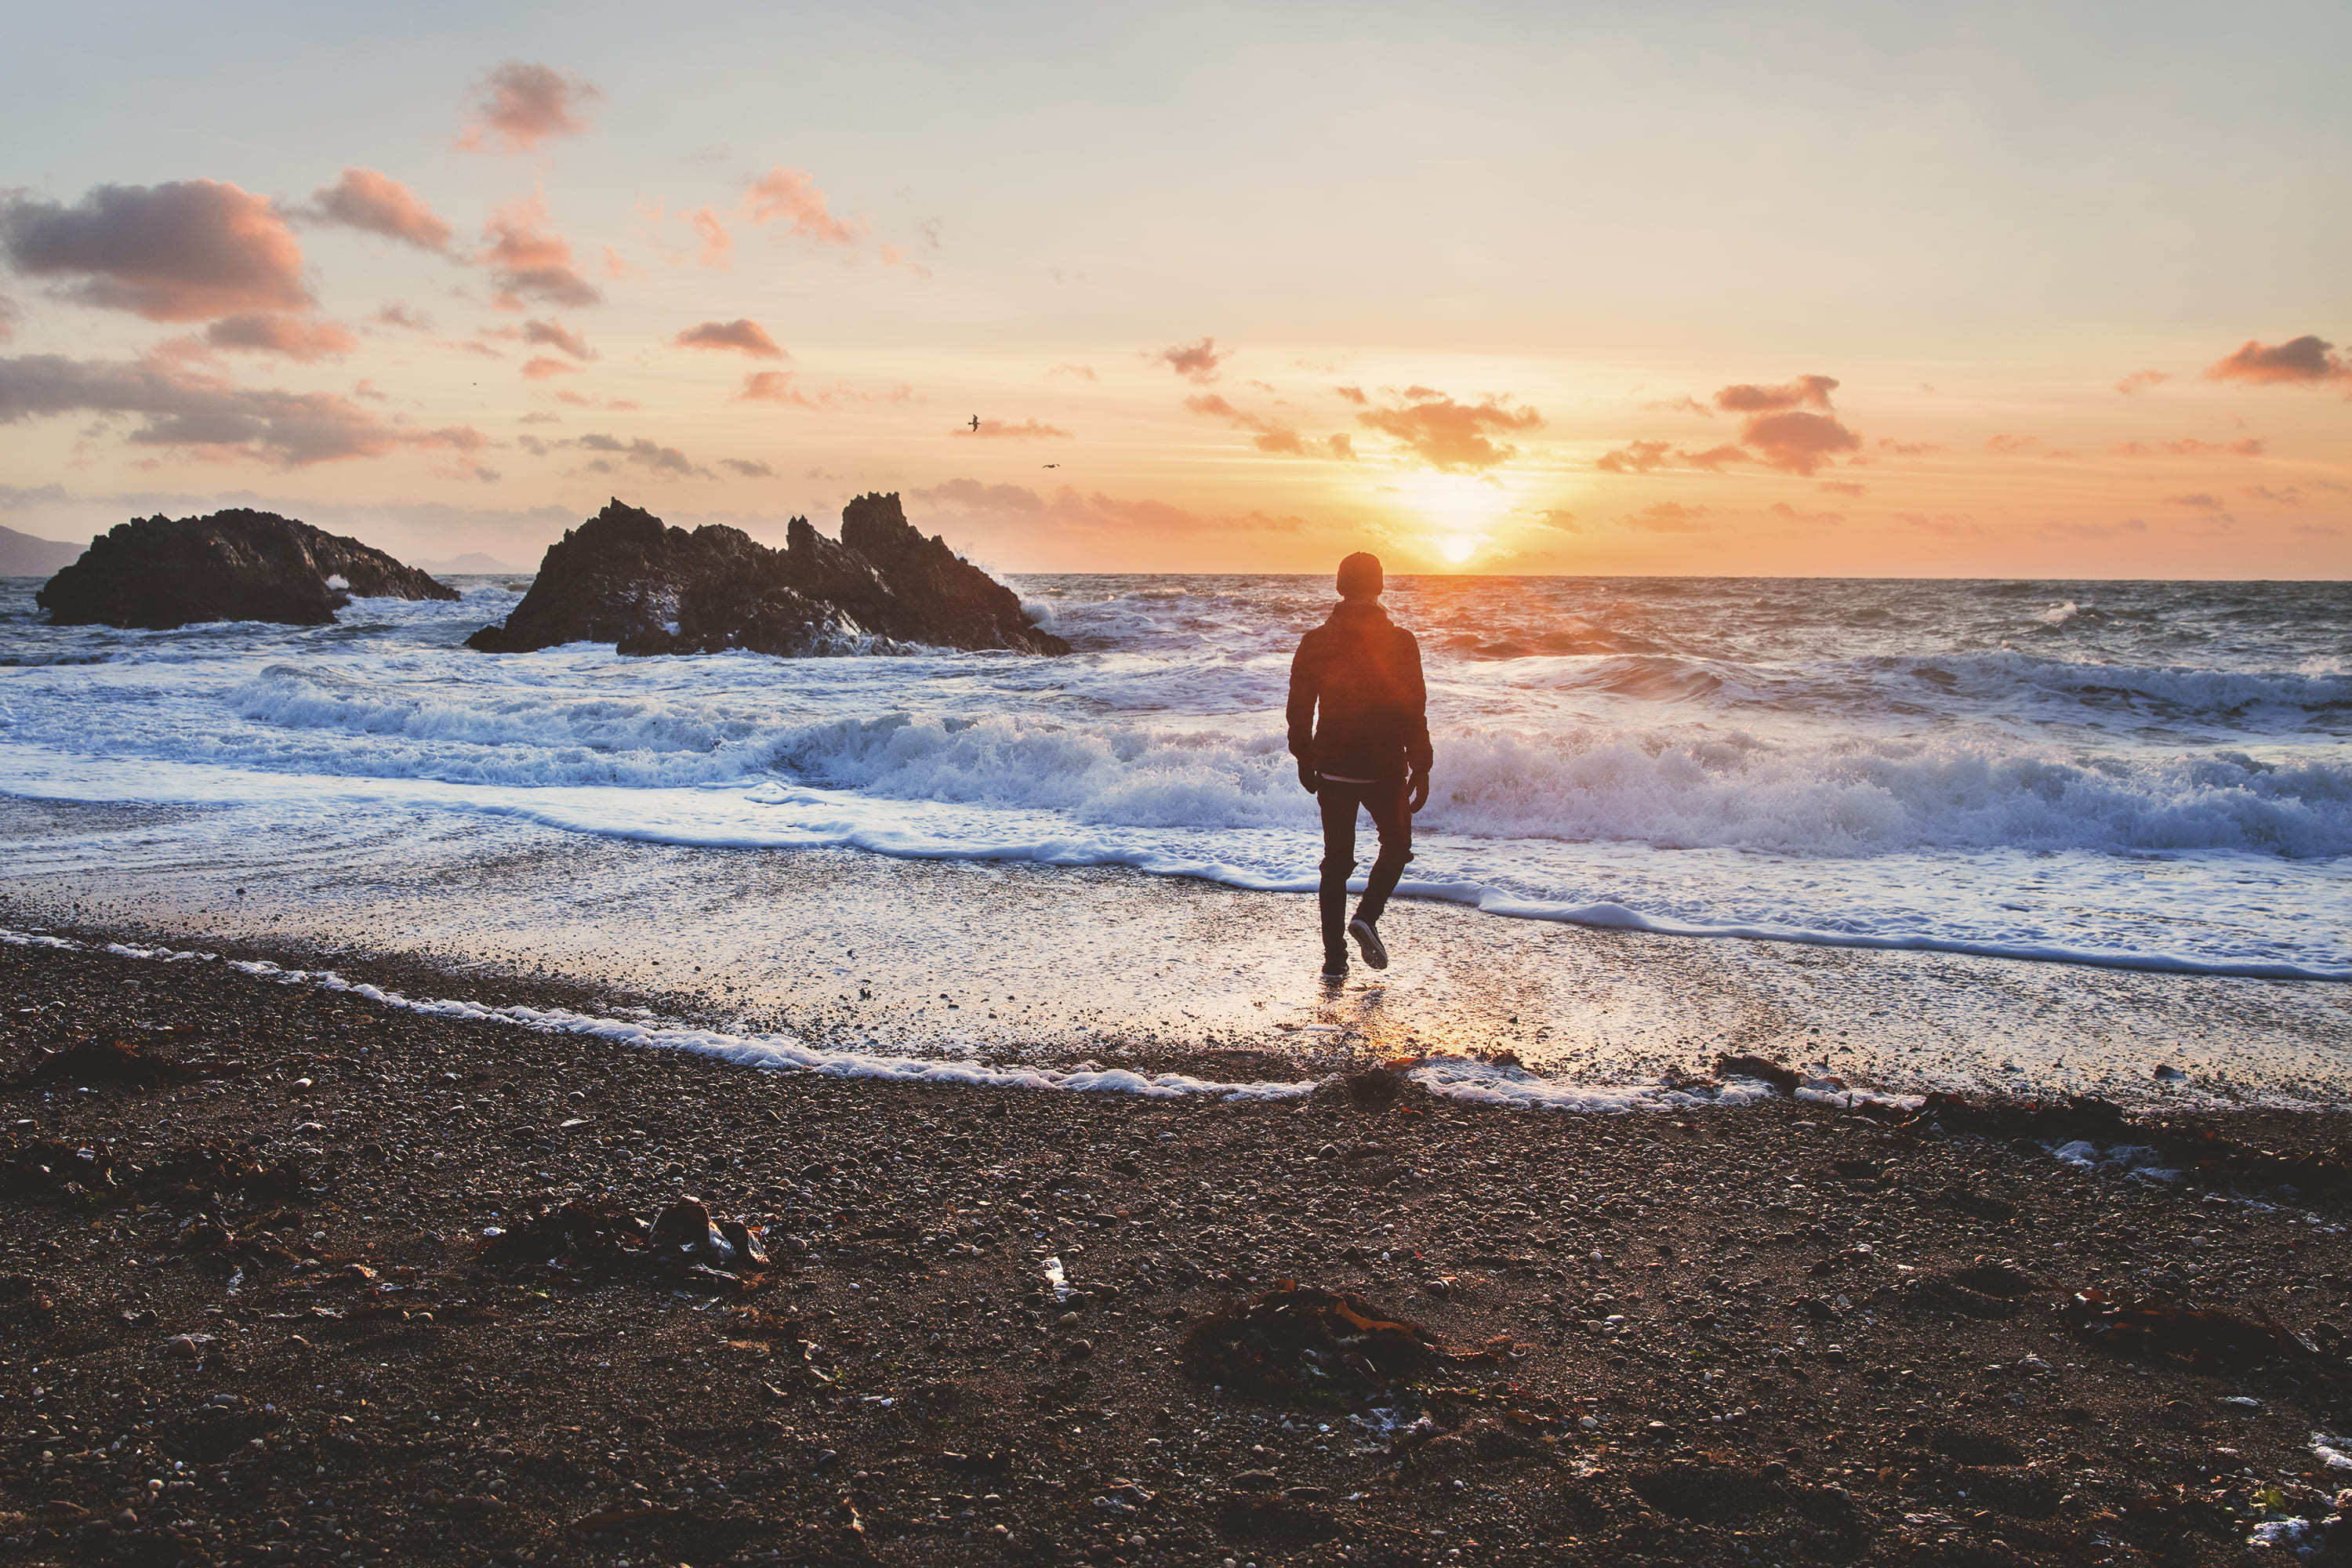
(1358,706)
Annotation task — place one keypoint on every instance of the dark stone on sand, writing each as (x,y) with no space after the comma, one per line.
(625,578)
(158,572)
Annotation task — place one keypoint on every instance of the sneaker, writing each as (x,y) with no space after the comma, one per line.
(1367,943)
(1335,966)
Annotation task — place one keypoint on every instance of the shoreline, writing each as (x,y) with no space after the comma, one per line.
(1821,1335)
(1020,963)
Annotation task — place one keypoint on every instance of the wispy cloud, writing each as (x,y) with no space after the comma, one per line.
(523,105)
(188,251)
(738,336)
(379,205)
(1451,436)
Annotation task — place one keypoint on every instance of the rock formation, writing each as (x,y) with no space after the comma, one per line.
(624,577)
(158,573)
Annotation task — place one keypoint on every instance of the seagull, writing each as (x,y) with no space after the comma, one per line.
(1053,465)
(975,423)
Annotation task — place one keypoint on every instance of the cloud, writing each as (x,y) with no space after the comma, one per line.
(2189,447)
(1692,406)
(262,332)
(10,314)
(1195,362)
(377,203)
(646,454)
(1788,513)
(2317,530)
(529,261)
(791,196)
(1271,435)
(523,105)
(1637,458)
(1670,517)
(617,267)
(395,314)
(776,386)
(748,468)
(582,400)
(2141,380)
(2289,495)
(975,504)
(1949,524)
(2058,530)
(1077,372)
(543,368)
(1908,448)
(1560,518)
(1842,486)
(1452,436)
(1354,395)
(187,251)
(741,335)
(2009,445)
(1028,430)
(286,429)
(717,245)
(1805,392)
(2198,500)
(2305,360)
(556,335)
(1797,443)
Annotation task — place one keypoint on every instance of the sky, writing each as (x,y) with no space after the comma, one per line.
(2046,290)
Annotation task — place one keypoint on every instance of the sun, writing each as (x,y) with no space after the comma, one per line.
(1458,547)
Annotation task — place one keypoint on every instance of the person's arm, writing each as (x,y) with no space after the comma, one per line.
(1306,687)
(1417,753)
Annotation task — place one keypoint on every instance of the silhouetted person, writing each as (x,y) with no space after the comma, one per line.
(1359,729)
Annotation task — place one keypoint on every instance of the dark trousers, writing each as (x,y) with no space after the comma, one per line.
(1385,799)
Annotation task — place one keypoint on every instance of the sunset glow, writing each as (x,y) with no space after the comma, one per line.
(1536,292)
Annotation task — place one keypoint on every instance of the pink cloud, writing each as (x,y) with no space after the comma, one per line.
(1797,443)
(10,314)
(616,266)
(1805,392)
(2200,500)
(717,245)
(975,504)
(188,251)
(377,203)
(206,417)
(543,368)
(1787,513)
(1028,430)
(2141,380)
(523,105)
(1076,371)
(528,260)
(556,335)
(791,196)
(1452,436)
(1908,448)
(776,386)
(1195,362)
(260,332)
(395,314)
(1354,395)
(2010,446)
(739,336)
(1271,435)
(2189,447)
(1842,486)
(1692,404)
(2305,360)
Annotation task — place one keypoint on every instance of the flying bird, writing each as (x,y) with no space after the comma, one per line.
(1053,465)
(975,423)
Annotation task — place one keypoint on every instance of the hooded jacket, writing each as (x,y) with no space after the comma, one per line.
(1358,706)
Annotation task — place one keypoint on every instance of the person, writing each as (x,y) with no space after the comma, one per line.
(1359,729)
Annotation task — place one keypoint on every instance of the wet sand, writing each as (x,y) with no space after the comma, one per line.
(1004,961)
(255,1322)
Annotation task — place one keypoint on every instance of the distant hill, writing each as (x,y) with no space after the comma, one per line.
(22,555)
(475,565)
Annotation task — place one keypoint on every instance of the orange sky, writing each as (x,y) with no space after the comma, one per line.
(1831,297)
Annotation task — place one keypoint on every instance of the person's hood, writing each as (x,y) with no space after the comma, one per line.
(1358,613)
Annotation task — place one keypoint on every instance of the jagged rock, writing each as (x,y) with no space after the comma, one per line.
(624,577)
(158,573)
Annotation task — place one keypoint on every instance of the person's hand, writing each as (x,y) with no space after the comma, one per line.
(1419,795)
(1308,779)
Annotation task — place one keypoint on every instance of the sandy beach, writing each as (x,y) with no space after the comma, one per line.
(353,1283)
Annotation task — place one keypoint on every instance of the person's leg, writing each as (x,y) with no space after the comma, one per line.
(1386,802)
(1338,802)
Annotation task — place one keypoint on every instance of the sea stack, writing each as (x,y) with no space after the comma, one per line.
(625,578)
(158,572)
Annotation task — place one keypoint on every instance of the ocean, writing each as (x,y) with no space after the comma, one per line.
(2142,775)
